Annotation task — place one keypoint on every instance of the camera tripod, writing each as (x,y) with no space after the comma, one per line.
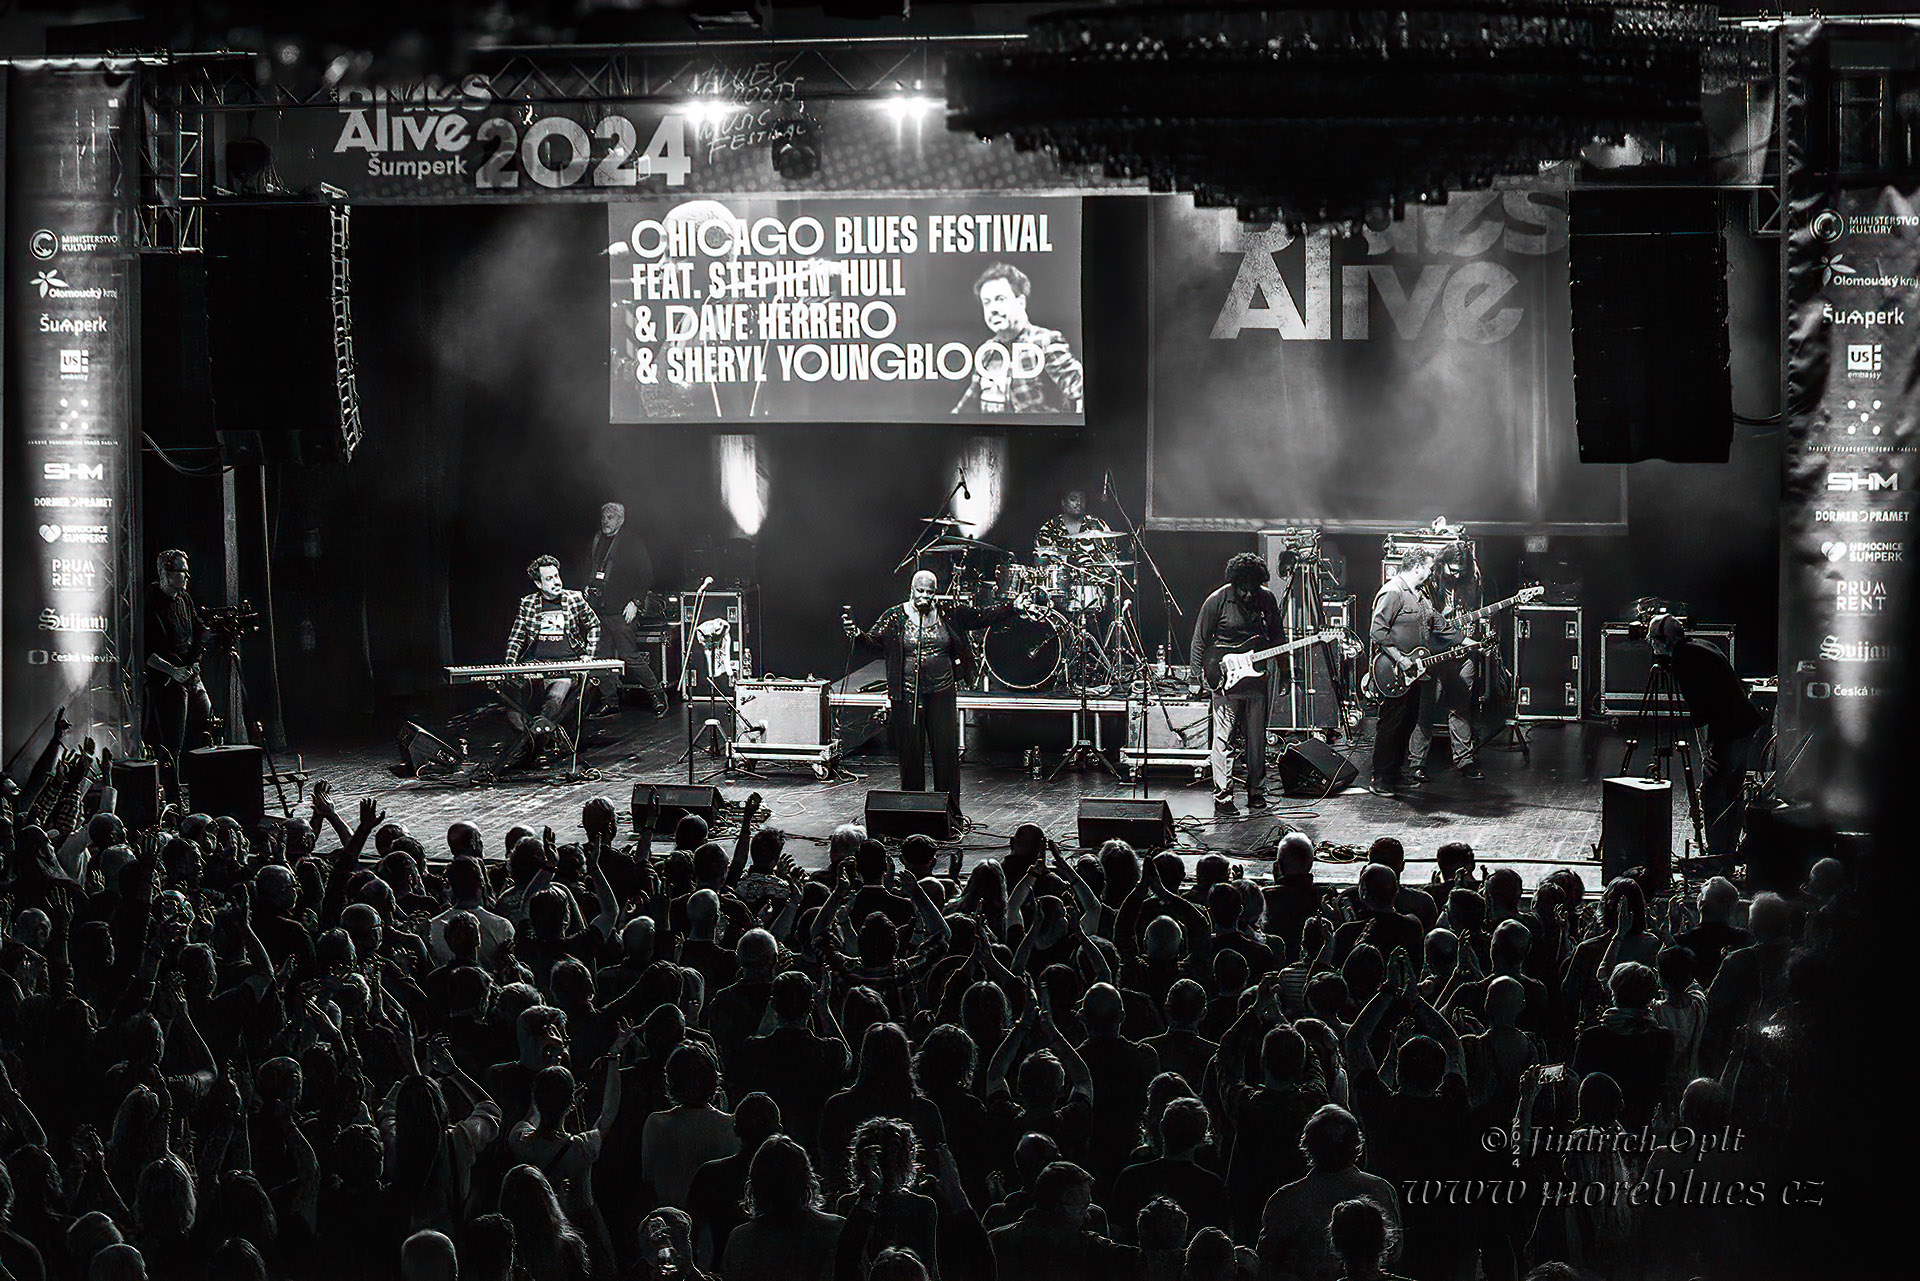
(1663,708)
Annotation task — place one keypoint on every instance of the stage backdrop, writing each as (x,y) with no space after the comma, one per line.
(847,310)
(69,615)
(1374,382)
(1852,457)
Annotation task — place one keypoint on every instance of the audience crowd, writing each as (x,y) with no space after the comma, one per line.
(339,1048)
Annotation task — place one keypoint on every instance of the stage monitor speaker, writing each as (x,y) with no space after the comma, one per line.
(1145,825)
(900,814)
(1650,348)
(1636,828)
(674,802)
(138,799)
(270,335)
(425,752)
(227,781)
(1310,767)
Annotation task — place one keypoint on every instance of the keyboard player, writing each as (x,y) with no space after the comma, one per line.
(554,625)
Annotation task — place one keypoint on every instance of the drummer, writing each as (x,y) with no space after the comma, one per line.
(1060,541)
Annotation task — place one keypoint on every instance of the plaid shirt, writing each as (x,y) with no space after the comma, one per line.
(1059,387)
(583,625)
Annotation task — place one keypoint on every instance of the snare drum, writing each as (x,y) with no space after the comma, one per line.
(1088,596)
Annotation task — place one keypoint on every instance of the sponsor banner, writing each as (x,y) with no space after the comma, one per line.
(476,137)
(1851,472)
(68,621)
(1418,370)
(912,309)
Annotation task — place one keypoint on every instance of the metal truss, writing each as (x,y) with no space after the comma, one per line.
(601,73)
(345,382)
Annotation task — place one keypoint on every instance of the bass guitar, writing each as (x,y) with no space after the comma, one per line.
(1389,681)
(1239,667)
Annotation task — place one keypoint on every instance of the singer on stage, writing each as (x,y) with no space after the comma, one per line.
(928,658)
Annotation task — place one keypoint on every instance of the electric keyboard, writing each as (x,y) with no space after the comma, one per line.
(492,673)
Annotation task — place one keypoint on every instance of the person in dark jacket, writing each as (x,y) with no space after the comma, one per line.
(928,659)
(618,577)
(1717,700)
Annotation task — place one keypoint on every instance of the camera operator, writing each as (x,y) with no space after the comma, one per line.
(1716,699)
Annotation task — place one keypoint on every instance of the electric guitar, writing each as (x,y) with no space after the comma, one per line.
(1389,681)
(1239,667)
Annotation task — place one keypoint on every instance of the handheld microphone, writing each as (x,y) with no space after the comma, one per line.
(965,492)
(705,583)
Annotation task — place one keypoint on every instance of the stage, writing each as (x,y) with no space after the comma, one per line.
(1534,811)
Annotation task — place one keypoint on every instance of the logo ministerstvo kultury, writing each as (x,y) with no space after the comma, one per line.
(43,244)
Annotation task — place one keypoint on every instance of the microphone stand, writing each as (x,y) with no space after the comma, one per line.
(1140,546)
(689,626)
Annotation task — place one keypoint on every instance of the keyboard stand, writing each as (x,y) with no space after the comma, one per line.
(515,697)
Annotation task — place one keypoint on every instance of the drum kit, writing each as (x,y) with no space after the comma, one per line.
(1083,639)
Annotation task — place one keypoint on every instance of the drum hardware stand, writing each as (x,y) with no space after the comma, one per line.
(1083,753)
(931,534)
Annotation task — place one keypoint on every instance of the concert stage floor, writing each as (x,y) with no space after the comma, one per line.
(1533,814)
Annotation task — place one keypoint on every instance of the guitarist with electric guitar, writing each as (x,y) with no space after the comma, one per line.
(179,712)
(1413,642)
(1236,636)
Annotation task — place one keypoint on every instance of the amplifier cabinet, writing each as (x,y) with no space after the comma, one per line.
(1547,662)
(785,720)
(1625,660)
(790,713)
(1172,731)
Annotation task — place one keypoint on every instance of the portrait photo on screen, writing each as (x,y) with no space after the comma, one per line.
(894,310)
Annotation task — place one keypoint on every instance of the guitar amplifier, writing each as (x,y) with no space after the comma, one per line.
(782,712)
(1625,660)
(784,720)
(1547,662)
(1172,731)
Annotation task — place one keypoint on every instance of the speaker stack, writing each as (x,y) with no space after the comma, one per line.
(902,814)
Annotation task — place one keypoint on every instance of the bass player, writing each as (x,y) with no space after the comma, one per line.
(1405,620)
(1242,613)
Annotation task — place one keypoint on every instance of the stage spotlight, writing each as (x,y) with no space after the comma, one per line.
(796,152)
(983,465)
(708,114)
(901,107)
(743,485)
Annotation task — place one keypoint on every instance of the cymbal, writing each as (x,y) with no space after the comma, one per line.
(960,542)
(948,521)
(1099,535)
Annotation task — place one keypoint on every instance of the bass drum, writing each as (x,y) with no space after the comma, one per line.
(1024,653)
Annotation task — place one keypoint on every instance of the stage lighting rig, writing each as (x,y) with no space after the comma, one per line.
(1321,113)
